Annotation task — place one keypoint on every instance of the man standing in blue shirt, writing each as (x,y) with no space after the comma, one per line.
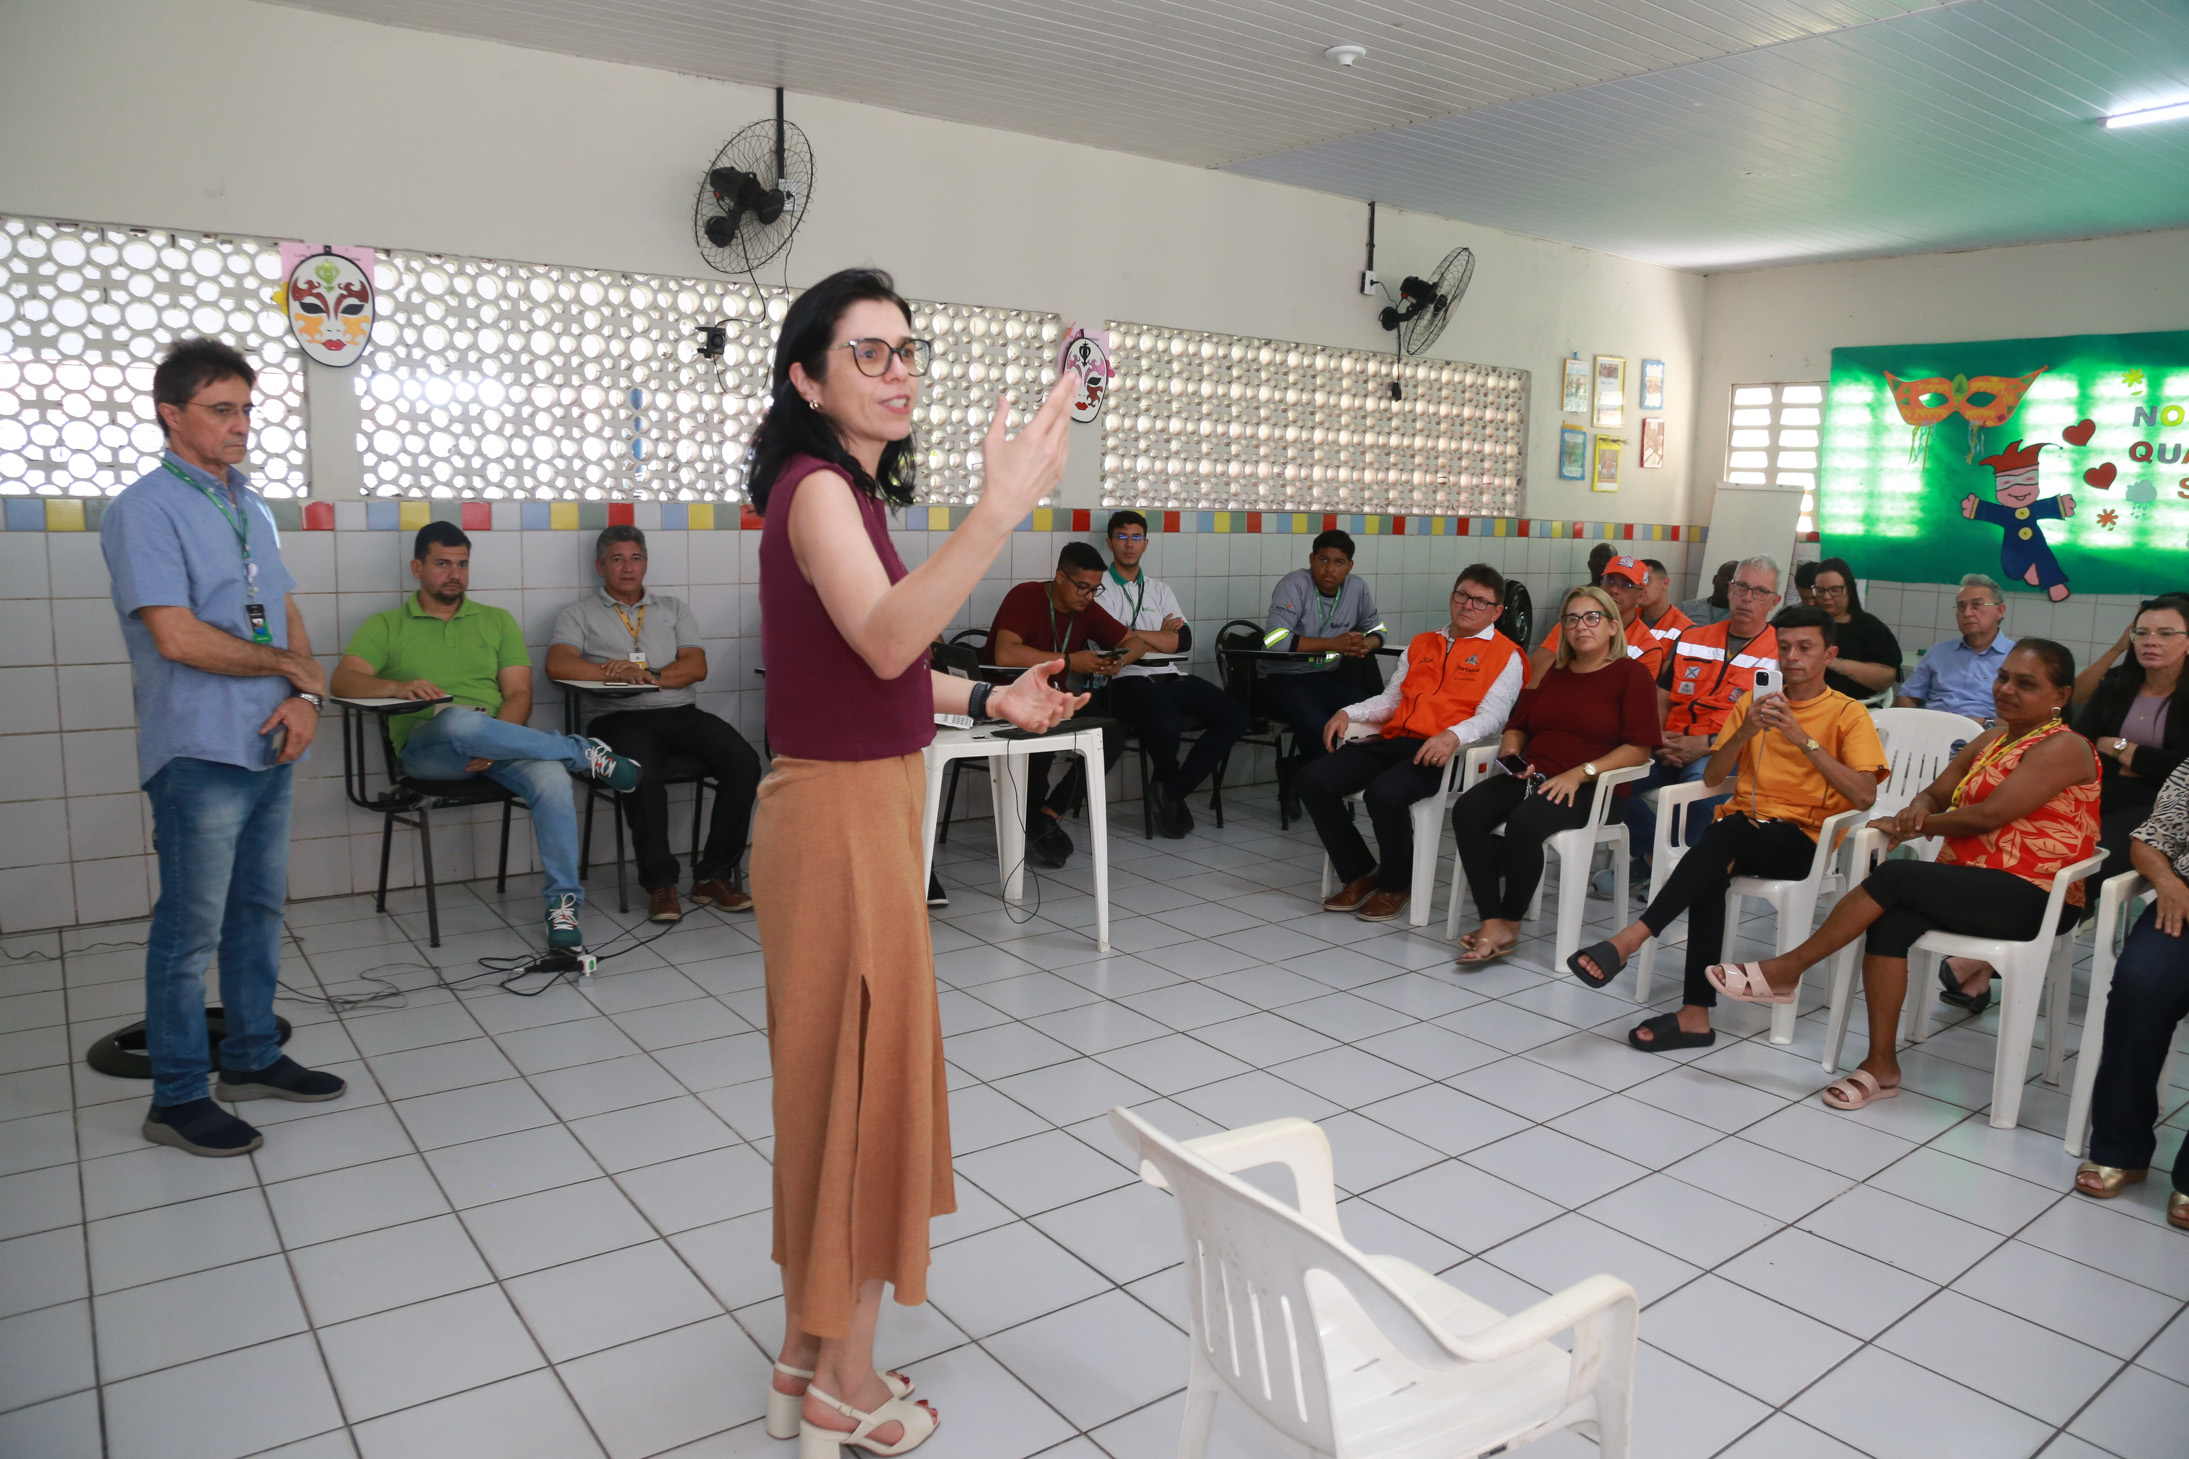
(228,698)
(1956,675)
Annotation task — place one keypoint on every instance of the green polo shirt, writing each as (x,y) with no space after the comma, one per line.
(461,654)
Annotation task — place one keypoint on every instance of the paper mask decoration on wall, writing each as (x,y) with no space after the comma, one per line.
(1088,352)
(2023,554)
(329,300)
(1985,400)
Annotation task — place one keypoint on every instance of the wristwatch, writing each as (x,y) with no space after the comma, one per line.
(1589,770)
(2120,744)
(1812,746)
(309,698)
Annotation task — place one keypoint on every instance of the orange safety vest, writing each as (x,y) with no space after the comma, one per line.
(1446,682)
(1667,628)
(1706,683)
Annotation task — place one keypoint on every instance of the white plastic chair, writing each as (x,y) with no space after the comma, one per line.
(1919,743)
(1460,774)
(1364,1356)
(2117,901)
(2028,971)
(1576,851)
(1664,854)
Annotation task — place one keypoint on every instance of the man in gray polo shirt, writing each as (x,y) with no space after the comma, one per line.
(228,698)
(623,634)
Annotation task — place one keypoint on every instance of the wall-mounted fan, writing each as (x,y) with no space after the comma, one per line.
(753,196)
(1425,304)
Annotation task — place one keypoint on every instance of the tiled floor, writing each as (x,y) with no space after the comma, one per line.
(539,1227)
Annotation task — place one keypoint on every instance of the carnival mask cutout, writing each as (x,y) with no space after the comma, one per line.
(1983,400)
(330,305)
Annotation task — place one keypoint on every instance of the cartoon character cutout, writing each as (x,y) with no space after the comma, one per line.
(2018,510)
(330,305)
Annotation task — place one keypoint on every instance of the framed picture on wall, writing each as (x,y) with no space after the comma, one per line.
(1653,386)
(1573,454)
(1611,390)
(1653,443)
(1574,385)
(1609,449)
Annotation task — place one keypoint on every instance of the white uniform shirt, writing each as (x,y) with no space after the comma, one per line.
(1141,603)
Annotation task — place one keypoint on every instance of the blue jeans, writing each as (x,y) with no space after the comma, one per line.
(533,763)
(222,836)
(1642,816)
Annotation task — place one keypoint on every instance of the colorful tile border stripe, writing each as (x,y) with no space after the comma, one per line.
(82,514)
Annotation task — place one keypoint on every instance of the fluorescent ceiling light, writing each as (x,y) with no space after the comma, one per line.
(2167,113)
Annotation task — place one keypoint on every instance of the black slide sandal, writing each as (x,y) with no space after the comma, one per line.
(1605,956)
(1949,990)
(1666,1035)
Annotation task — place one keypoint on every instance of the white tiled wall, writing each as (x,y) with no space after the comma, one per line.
(75,831)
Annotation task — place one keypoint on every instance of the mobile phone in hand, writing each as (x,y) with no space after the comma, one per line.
(1515,765)
(277,742)
(1767,682)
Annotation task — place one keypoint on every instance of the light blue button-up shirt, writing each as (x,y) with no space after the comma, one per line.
(167,545)
(1957,678)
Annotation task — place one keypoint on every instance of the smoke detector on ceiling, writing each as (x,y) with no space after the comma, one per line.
(1345,54)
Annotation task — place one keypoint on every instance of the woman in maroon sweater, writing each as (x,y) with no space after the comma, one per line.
(1594,709)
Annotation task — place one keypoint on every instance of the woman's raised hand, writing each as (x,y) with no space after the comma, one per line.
(1030,703)
(1018,471)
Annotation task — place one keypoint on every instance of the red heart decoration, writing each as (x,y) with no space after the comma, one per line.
(2079,433)
(2101,476)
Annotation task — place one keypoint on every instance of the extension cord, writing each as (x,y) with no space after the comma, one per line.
(581,962)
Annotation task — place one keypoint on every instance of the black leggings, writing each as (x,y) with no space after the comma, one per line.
(1732,846)
(1974,901)
(1501,828)
(2150,997)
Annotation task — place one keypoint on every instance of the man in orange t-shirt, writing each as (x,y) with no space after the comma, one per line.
(1459,685)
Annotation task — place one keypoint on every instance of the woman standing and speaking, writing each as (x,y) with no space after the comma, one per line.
(862,1132)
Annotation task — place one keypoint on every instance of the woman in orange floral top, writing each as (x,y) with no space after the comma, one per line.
(2018,803)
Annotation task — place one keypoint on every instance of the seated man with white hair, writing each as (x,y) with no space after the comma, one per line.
(1956,675)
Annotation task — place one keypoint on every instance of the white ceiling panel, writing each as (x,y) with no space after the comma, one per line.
(1965,127)
(1207,82)
(1702,134)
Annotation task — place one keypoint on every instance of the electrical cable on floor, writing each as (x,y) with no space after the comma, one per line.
(35,956)
(560,964)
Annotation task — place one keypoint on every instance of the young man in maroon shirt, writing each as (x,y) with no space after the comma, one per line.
(1037,622)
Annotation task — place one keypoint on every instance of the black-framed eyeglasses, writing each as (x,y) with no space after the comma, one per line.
(1583,620)
(1482,605)
(1749,590)
(872,355)
(224,409)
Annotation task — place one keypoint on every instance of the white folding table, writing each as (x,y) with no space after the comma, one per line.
(1007,773)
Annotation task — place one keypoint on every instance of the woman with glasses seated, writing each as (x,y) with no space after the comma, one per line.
(862,1121)
(1869,656)
(1595,709)
(2129,715)
(2143,1016)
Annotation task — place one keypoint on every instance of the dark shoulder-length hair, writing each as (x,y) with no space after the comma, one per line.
(1847,575)
(793,428)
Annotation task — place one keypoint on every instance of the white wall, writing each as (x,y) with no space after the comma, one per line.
(1783,324)
(224,115)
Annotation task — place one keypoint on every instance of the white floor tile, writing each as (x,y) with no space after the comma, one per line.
(1782,1437)
(430,1070)
(1829,1282)
(168,1241)
(1555,1166)
(1368,1154)
(731,1257)
(602,1301)
(392,1267)
(2092,1233)
(1965,1190)
(186,1318)
(2139,1416)
(1097,1360)
(671,1389)
(2169,1354)
(1887,1406)
(1902,1234)
(39,1200)
(1759,1346)
(677,1195)
(1636,1131)
(648,1134)
(591,1089)
(1443,1119)
(356,1198)
(504,1166)
(529,1416)
(1005,1276)
(1682,1219)
(1470,1208)
(220,1408)
(1533,1091)
(42,1269)
(1083,1088)
(1560,1253)
(2089,1305)
(45,1354)
(60,1428)
(1125,1234)
(339,1138)
(1762,1179)
(428,1350)
(2021,1364)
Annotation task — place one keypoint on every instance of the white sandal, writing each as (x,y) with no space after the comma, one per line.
(815,1442)
(784,1409)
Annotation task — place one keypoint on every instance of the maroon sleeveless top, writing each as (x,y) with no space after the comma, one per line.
(824,703)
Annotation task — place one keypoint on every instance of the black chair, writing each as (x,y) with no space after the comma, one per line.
(411,801)
(961,655)
(1193,731)
(681,770)
(1238,679)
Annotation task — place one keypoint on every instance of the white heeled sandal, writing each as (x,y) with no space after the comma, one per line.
(815,1442)
(784,1408)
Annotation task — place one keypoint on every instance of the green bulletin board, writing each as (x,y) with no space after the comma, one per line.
(2095,500)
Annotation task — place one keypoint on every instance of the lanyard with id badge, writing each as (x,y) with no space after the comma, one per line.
(239,522)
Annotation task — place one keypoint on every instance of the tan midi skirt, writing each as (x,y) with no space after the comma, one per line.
(862,1124)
